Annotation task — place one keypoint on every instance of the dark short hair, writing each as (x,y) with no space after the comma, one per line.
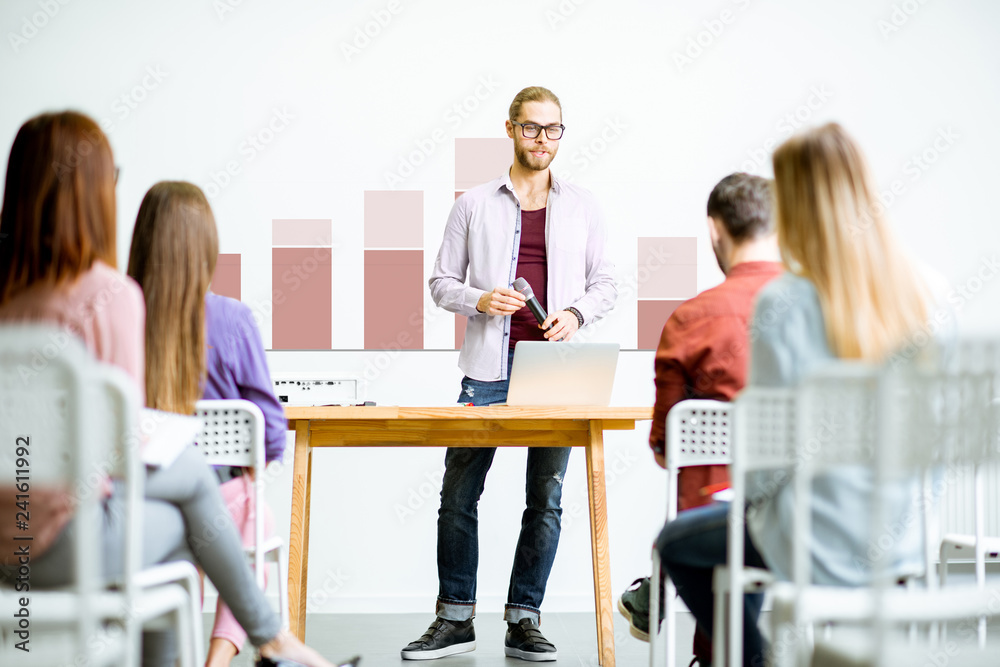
(742,202)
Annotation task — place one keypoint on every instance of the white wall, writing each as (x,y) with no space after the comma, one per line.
(907,78)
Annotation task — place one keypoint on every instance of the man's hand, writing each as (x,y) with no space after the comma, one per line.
(661,460)
(501,301)
(564,324)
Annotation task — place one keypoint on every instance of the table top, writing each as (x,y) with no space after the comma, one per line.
(492,412)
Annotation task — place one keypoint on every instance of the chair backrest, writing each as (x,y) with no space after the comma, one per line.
(67,421)
(699,432)
(232,433)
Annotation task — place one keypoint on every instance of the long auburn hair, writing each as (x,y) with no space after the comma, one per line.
(832,230)
(58,214)
(174,249)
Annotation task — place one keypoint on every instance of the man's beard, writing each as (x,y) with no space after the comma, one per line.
(718,258)
(529,161)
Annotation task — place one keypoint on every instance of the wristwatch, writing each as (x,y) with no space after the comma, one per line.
(579,317)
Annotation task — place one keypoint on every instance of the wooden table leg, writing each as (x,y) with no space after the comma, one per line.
(599,545)
(298,543)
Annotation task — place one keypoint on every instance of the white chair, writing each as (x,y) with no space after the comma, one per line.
(784,432)
(977,545)
(78,419)
(698,433)
(233,434)
(948,421)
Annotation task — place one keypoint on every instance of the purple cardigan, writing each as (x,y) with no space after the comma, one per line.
(237,367)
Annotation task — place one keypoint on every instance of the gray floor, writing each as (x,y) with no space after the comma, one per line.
(379,637)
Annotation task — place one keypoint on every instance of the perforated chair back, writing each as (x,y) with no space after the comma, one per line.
(699,432)
(232,433)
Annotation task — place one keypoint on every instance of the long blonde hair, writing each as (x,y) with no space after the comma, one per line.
(832,231)
(174,249)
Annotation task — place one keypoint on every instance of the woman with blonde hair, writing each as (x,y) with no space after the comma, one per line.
(201,345)
(57,265)
(849,293)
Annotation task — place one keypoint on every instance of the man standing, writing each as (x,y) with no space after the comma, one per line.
(704,347)
(527,224)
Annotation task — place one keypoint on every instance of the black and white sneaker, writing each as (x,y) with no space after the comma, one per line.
(525,641)
(443,638)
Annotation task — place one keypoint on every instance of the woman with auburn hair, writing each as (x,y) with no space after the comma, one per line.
(849,293)
(200,344)
(57,258)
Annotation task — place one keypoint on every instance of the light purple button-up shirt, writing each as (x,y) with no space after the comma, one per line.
(481,241)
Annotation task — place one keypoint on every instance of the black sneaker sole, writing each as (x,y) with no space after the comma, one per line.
(638,633)
(454,649)
(530,656)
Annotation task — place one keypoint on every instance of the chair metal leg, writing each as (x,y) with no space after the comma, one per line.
(720,588)
(654,604)
(282,564)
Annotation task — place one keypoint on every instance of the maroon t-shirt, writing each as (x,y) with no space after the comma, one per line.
(533,267)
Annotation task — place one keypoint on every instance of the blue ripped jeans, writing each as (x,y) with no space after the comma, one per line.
(458,520)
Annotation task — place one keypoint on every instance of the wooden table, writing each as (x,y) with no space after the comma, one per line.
(491,426)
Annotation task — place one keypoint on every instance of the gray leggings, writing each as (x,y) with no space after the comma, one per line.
(183,518)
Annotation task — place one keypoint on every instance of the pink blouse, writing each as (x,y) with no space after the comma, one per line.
(104,309)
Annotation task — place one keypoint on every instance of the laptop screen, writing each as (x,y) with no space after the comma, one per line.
(547,373)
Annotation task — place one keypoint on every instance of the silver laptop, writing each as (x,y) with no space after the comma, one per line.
(547,373)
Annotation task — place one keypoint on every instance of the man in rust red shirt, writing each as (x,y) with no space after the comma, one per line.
(704,347)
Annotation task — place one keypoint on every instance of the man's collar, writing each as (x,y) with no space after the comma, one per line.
(555,183)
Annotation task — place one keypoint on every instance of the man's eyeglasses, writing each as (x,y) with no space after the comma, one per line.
(532,130)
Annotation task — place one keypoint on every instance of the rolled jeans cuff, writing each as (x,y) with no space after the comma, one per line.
(513,613)
(453,610)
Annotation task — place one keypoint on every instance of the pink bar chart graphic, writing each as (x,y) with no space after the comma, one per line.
(478,161)
(667,277)
(302,284)
(227,278)
(394,270)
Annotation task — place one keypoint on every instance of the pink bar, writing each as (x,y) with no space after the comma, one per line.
(652,316)
(394,299)
(478,161)
(667,267)
(309,233)
(460,322)
(226,280)
(301,287)
(394,219)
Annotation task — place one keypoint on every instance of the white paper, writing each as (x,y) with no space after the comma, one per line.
(166,434)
